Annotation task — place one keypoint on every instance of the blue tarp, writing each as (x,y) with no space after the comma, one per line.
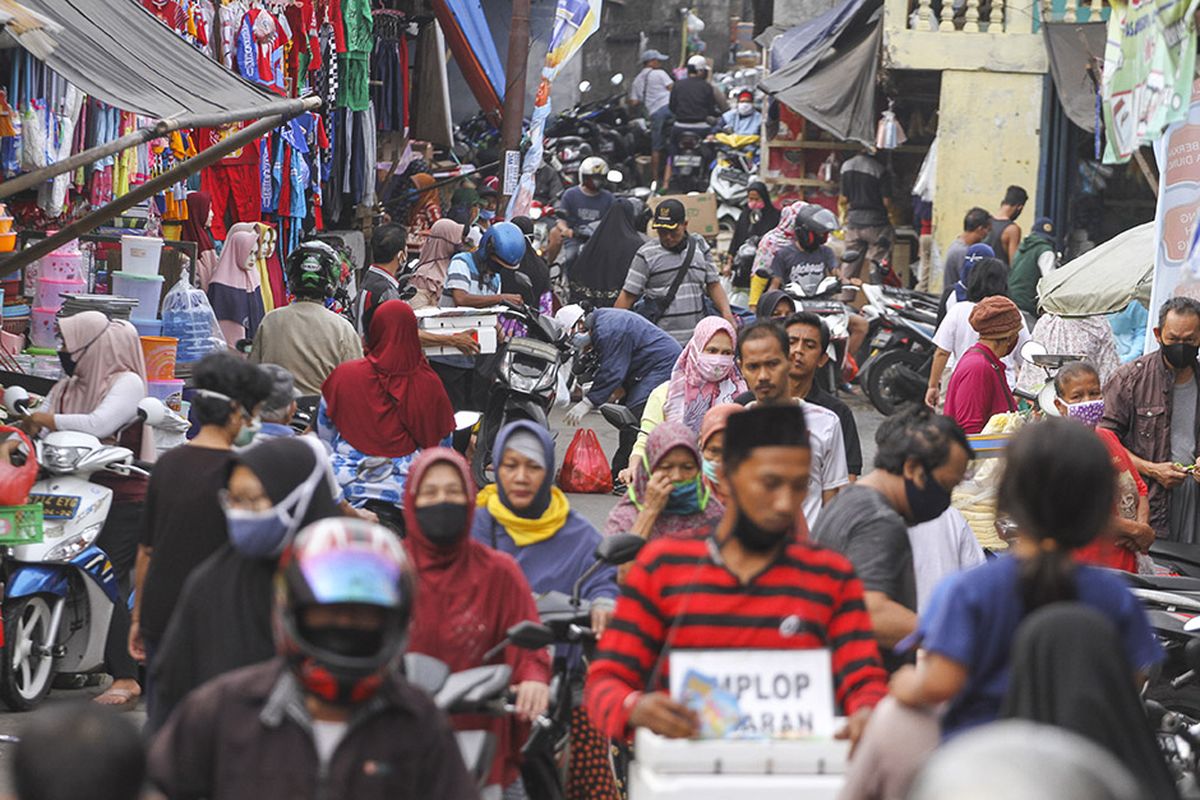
(474,25)
(814,35)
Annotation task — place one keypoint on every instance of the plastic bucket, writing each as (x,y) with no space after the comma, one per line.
(148,327)
(170,392)
(159,352)
(140,255)
(49,291)
(146,289)
(62,265)
(43,329)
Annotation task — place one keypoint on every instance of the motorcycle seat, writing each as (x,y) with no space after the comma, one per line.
(1176,551)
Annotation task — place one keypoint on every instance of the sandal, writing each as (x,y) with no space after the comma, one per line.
(126,700)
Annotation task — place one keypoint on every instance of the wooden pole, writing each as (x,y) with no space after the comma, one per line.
(147,190)
(514,71)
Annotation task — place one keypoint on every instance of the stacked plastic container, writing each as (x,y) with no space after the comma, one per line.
(138,278)
(58,275)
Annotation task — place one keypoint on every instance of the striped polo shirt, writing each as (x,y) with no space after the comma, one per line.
(680,593)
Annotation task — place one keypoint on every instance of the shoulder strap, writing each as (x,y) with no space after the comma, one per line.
(669,297)
(992,361)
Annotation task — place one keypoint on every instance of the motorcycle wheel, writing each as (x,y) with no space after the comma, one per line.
(25,676)
(882,376)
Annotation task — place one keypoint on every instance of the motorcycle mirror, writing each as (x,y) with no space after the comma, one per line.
(152,411)
(425,672)
(618,79)
(1031,349)
(620,548)
(16,400)
(615,176)
(585,86)
(529,635)
(619,416)
(1045,399)
(850,256)
(466,419)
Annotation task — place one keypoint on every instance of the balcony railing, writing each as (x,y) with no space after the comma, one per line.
(993,16)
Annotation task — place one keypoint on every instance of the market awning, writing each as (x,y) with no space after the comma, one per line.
(470,40)
(831,79)
(119,53)
(1076,54)
(807,42)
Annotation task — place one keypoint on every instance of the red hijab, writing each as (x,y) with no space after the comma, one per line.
(391,402)
(199,205)
(468,595)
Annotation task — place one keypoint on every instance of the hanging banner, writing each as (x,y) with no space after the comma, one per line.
(1149,61)
(1176,264)
(574,22)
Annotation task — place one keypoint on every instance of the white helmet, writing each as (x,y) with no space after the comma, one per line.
(595,166)
(697,63)
(569,316)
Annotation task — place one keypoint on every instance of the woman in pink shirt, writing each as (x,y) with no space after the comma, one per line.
(979,388)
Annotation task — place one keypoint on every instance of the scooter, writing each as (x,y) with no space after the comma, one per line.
(59,594)
(690,158)
(898,345)
(526,381)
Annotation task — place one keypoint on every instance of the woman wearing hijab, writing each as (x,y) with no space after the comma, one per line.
(667,496)
(376,412)
(441,243)
(769,246)
(468,595)
(705,374)
(235,290)
(599,271)
(424,212)
(712,442)
(223,618)
(195,229)
(105,380)
(1065,657)
(758,218)
(775,304)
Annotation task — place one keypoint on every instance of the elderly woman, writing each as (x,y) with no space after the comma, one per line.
(668,496)
(712,442)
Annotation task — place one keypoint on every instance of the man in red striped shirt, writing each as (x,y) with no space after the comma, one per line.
(749,586)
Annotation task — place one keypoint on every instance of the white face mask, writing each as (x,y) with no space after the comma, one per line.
(745,109)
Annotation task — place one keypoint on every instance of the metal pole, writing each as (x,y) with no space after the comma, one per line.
(154,130)
(147,190)
(514,70)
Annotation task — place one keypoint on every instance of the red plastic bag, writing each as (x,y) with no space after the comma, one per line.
(585,468)
(15,482)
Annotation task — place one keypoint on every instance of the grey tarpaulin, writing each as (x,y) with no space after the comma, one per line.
(119,53)
(809,40)
(1072,47)
(1102,280)
(835,90)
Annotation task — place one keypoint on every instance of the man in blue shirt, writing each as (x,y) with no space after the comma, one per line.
(581,208)
(743,119)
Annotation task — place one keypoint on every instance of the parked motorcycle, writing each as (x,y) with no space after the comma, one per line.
(525,383)
(59,593)
(900,345)
(735,167)
(690,159)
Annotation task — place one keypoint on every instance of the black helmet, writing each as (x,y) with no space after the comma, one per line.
(813,225)
(343,562)
(314,269)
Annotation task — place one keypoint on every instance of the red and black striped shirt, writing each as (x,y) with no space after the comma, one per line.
(809,597)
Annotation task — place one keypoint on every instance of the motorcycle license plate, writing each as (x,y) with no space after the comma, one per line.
(57,506)
(880,340)
(740,178)
(687,161)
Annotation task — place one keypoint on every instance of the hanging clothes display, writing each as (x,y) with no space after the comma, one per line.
(389,71)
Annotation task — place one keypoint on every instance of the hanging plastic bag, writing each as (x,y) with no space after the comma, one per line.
(188,317)
(585,468)
(890,133)
(17,479)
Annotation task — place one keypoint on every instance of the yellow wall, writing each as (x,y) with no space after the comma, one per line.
(989,125)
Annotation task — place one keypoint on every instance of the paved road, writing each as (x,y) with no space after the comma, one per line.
(594,507)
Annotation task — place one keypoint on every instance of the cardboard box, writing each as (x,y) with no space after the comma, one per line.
(701,212)
(481,322)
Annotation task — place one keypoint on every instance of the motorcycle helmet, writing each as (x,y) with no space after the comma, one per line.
(697,64)
(505,243)
(568,316)
(341,561)
(593,167)
(813,225)
(314,269)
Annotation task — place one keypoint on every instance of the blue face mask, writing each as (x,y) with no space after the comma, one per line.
(485,214)
(263,534)
(709,468)
(686,498)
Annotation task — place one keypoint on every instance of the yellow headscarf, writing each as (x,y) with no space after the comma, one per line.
(525,532)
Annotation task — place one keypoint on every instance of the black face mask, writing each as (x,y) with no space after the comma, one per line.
(442,523)
(1180,355)
(753,536)
(927,503)
(68,363)
(349,642)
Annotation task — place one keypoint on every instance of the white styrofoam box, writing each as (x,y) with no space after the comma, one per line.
(481,321)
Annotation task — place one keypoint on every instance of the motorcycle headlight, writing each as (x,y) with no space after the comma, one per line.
(62,459)
(72,547)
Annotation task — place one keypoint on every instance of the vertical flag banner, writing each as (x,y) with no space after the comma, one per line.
(574,22)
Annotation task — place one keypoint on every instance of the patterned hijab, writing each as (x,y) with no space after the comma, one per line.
(699,381)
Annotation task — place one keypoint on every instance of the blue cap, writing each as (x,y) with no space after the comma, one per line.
(1044,227)
(653,55)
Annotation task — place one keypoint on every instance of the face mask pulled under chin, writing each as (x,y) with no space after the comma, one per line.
(248,432)
(753,536)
